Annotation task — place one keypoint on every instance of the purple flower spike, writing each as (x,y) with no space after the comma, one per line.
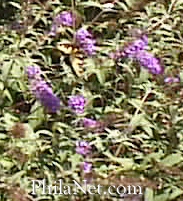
(82,34)
(83,148)
(87,167)
(90,123)
(131,49)
(77,103)
(148,61)
(45,95)
(135,47)
(41,90)
(85,40)
(65,18)
(89,47)
(33,72)
(137,51)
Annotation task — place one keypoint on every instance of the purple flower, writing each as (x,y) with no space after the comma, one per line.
(83,148)
(90,123)
(137,51)
(33,72)
(89,46)
(131,49)
(87,167)
(86,41)
(148,61)
(41,90)
(83,34)
(171,80)
(65,18)
(77,103)
(53,30)
(135,47)
(45,95)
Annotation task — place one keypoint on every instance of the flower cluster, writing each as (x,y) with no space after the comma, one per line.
(65,18)
(33,72)
(87,167)
(77,103)
(131,49)
(90,123)
(86,41)
(83,37)
(93,125)
(135,47)
(85,149)
(137,51)
(148,61)
(41,90)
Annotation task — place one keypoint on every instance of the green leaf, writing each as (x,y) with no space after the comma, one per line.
(16,5)
(127,163)
(176,192)
(75,159)
(6,163)
(144,75)
(90,3)
(98,144)
(161,197)
(5,69)
(37,115)
(172,159)
(17,176)
(136,103)
(149,195)
(101,76)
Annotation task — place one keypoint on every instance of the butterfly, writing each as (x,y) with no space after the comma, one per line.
(73,57)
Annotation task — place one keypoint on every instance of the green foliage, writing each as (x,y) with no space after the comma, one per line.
(143,142)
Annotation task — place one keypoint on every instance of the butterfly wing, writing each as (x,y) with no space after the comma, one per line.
(74,58)
(77,61)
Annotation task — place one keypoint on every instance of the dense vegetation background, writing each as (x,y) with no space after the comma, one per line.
(130,130)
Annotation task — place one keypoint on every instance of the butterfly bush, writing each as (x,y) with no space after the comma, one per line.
(93,125)
(87,167)
(77,104)
(137,51)
(33,72)
(83,148)
(135,47)
(118,122)
(148,61)
(65,18)
(90,123)
(42,91)
(131,49)
(131,115)
(86,41)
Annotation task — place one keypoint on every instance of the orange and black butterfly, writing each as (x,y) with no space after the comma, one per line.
(73,57)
